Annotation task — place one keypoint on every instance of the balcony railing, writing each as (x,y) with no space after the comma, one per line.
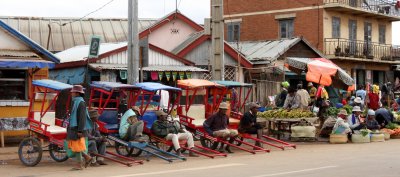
(340,47)
(385,7)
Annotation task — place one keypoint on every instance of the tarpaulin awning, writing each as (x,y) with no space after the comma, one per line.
(52,84)
(233,84)
(13,63)
(194,83)
(112,85)
(154,86)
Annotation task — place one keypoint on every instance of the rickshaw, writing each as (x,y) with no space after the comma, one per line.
(237,105)
(151,90)
(107,97)
(210,94)
(43,123)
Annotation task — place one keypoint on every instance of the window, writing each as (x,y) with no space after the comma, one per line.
(335,27)
(13,84)
(233,32)
(382,34)
(286,28)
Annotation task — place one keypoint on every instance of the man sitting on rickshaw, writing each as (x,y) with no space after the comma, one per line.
(172,132)
(97,142)
(248,123)
(131,128)
(217,126)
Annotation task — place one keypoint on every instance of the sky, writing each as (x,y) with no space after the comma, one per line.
(194,9)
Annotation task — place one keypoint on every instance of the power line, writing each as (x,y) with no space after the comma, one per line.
(109,2)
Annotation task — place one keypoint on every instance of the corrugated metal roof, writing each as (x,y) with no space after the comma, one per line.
(265,51)
(18,53)
(174,68)
(111,30)
(99,66)
(187,42)
(81,52)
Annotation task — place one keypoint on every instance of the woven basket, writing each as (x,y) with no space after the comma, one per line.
(358,138)
(387,136)
(377,137)
(338,138)
(394,136)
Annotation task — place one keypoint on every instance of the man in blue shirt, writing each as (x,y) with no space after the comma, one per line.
(361,93)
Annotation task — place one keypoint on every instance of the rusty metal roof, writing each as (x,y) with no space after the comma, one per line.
(100,66)
(18,54)
(111,30)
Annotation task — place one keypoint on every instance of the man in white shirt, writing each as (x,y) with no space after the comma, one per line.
(304,96)
(354,118)
(341,126)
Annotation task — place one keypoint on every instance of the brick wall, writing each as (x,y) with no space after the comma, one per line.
(264,26)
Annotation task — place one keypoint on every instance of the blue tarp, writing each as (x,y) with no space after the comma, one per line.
(26,64)
(153,86)
(112,85)
(233,84)
(55,85)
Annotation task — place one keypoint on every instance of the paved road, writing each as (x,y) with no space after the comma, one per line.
(308,160)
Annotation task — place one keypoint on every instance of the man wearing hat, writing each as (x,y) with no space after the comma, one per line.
(78,127)
(248,123)
(312,90)
(97,142)
(170,131)
(217,126)
(130,127)
(341,126)
(370,122)
(358,102)
(354,118)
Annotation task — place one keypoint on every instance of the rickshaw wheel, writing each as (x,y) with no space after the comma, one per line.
(207,143)
(123,150)
(57,153)
(30,151)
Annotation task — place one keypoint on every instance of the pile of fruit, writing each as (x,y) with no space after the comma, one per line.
(392,129)
(283,113)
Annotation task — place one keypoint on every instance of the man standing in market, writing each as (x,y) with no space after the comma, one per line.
(304,96)
(217,126)
(97,142)
(312,91)
(248,123)
(292,100)
(280,101)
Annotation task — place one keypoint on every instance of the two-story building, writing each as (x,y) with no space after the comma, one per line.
(355,34)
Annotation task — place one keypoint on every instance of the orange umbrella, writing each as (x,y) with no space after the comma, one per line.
(321,71)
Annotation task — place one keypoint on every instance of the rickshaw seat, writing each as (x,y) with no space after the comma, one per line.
(50,119)
(110,118)
(197,112)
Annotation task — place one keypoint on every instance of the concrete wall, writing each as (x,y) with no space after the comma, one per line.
(344,26)
(165,38)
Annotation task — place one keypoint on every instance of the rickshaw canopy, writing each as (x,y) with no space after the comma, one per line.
(195,83)
(54,85)
(112,85)
(153,86)
(231,84)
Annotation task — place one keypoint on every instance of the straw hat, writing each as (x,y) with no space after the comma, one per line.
(254,105)
(223,106)
(356,109)
(77,89)
(136,109)
(161,113)
(357,100)
(343,112)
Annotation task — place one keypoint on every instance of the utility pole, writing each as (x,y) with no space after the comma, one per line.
(217,40)
(133,42)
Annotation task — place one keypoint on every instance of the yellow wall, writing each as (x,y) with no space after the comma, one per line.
(22,111)
(344,29)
